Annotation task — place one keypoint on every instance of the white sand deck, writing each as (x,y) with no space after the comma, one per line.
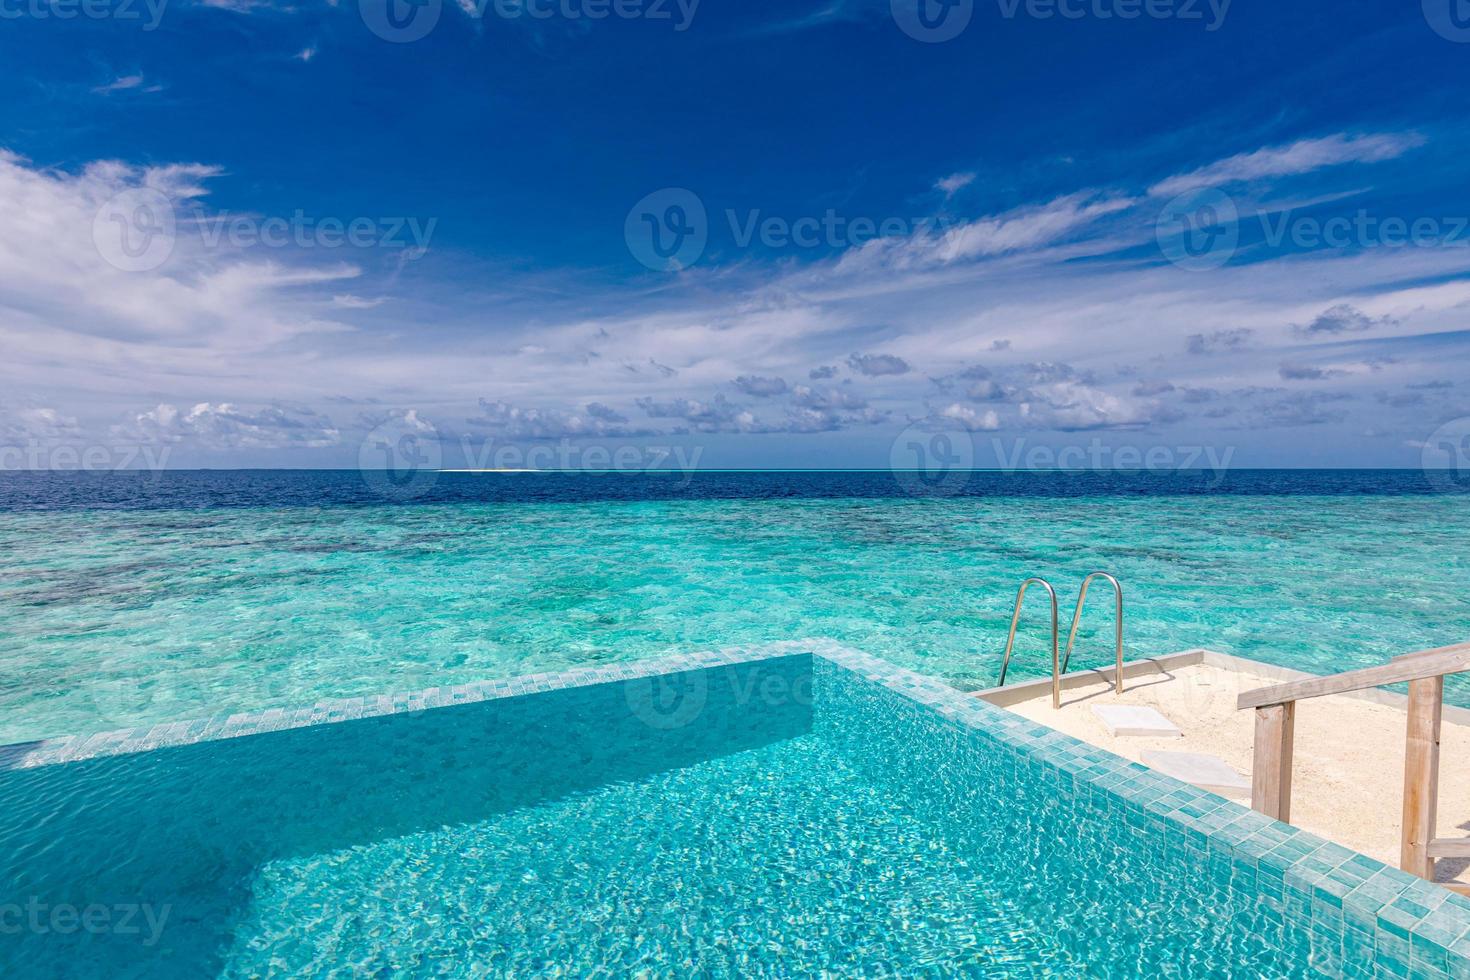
(1348,776)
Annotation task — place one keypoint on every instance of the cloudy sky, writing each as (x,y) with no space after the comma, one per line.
(257,232)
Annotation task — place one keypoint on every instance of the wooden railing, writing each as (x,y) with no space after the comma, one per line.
(1425,673)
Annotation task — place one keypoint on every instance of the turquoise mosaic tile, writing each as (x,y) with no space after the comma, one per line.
(1365,918)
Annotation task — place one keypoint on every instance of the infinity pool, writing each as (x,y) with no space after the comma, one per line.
(767,813)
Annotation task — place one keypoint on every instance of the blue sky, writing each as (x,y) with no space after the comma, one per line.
(1231,225)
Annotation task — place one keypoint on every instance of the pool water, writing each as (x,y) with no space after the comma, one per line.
(121,617)
(775,817)
(781,856)
(778,860)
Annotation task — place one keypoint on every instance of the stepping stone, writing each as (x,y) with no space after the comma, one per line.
(1205,771)
(1129,719)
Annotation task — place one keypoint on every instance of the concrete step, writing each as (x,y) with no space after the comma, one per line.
(1205,771)
(1128,719)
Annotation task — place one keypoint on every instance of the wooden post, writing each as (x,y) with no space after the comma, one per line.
(1421,775)
(1271,772)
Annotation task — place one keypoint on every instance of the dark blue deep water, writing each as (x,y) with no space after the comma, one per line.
(196,489)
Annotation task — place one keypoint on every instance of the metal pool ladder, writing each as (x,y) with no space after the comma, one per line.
(1059,662)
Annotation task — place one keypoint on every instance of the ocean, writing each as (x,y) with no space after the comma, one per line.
(132,599)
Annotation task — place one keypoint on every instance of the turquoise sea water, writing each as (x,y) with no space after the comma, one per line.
(822,826)
(122,617)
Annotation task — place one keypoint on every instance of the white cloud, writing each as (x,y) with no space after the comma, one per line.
(224,330)
(596,420)
(953,183)
(243,6)
(969,418)
(876,365)
(718,414)
(204,319)
(347,301)
(823,13)
(1344,318)
(126,83)
(1300,157)
(29,425)
(759,386)
(1013,231)
(840,398)
(1070,405)
(225,426)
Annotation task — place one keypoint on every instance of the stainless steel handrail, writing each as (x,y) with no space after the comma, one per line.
(1117,631)
(1056,673)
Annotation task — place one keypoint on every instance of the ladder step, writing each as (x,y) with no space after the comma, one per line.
(1058,661)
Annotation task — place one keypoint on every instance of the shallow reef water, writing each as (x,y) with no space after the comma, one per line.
(132,600)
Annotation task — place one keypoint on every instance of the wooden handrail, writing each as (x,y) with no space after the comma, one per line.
(1275,741)
(1450,847)
(1420,655)
(1412,667)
